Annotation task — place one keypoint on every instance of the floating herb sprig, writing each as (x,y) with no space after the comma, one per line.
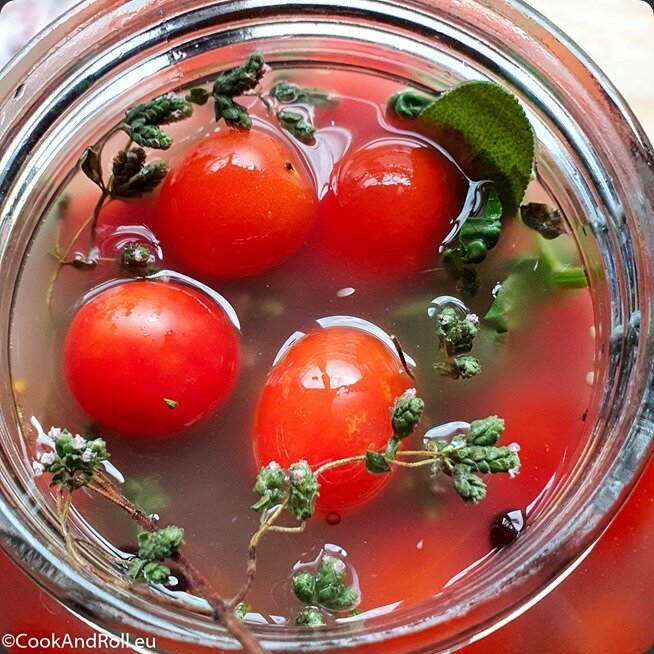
(133,175)
(78,463)
(244,80)
(456,330)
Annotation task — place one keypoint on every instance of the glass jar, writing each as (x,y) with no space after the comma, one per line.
(68,88)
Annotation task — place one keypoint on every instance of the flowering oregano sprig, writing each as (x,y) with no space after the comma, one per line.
(72,461)
(326,588)
(296,488)
(465,457)
(143,122)
(456,331)
(154,548)
(244,80)
(405,416)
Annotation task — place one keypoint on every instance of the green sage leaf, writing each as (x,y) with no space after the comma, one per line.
(496,129)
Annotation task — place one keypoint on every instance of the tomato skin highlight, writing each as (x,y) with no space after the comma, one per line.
(135,345)
(328,398)
(390,205)
(236,205)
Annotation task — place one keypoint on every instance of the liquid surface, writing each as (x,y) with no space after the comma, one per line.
(415,540)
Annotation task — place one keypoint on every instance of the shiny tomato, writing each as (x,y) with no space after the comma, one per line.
(237,204)
(390,205)
(147,358)
(329,398)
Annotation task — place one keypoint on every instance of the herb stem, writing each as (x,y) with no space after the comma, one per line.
(288,530)
(338,463)
(414,464)
(400,353)
(63,258)
(251,569)
(222,611)
(64,498)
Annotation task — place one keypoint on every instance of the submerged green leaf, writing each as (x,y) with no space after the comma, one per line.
(297,125)
(376,464)
(290,93)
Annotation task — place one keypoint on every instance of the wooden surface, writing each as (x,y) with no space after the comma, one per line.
(619,36)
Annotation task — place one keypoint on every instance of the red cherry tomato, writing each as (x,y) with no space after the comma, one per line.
(329,398)
(148,358)
(390,205)
(237,204)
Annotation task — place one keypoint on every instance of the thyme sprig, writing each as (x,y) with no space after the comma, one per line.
(456,331)
(245,80)
(134,175)
(292,491)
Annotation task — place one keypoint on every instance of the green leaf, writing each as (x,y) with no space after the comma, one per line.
(481,233)
(271,485)
(160,545)
(330,589)
(162,110)
(149,572)
(137,257)
(234,114)
(304,587)
(236,81)
(409,104)
(143,122)
(376,464)
(92,166)
(303,490)
(131,177)
(310,617)
(151,136)
(486,431)
(406,414)
(297,125)
(290,93)
(242,609)
(456,333)
(461,367)
(531,281)
(198,96)
(496,129)
(487,460)
(470,487)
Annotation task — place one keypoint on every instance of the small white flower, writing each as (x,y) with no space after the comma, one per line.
(496,289)
(445,319)
(55,433)
(87,455)
(298,474)
(273,465)
(137,255)
(47,458)
(473,318)
(336,564)
(513,473)
(38,468)
(79,443)
(411,392)
(514,447)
